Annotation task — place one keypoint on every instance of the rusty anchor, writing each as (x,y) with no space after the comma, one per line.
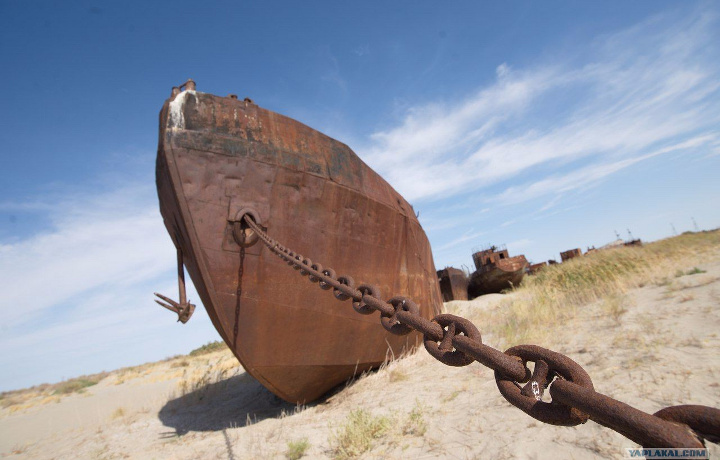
(184,309)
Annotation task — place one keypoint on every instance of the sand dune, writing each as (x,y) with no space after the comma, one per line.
(662,351)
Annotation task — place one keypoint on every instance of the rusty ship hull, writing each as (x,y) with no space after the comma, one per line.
(453,284)
(494,280)
(495,271)
(220,155)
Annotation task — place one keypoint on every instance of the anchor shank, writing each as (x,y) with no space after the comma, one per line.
(181,277)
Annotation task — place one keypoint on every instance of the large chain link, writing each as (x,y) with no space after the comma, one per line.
(456,341)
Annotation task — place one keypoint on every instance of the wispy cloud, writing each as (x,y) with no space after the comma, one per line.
(111,239)
(585,177)
(77,295)
(470,235)
(332,72)
(630,95)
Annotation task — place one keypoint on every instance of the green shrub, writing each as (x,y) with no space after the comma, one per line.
(296,449)
(208,348)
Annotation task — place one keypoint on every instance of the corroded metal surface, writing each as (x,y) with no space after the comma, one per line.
(496,271)
(455,341)
(219,156)
(453,284)
(570,254)
(534,268)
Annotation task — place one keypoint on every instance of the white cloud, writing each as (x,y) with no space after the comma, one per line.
(103,241)
(78,294)
(656,83)
(585,177)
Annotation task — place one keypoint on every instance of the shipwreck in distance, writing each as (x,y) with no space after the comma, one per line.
(495,271)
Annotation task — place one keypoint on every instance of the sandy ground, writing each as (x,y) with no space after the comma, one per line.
(663,351)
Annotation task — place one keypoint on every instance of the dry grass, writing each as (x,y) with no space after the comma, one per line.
(415,424)
(167,369)
(555,294)
(338,429)
(358,434)
(693,271)
(199,379)
(615,305)
(362,430)
(209,348)
(297,449)
(180,363)
(79,384)
(19,400)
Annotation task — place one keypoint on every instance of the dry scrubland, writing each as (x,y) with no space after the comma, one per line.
(644,323)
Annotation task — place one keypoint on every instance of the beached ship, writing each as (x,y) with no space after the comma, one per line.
(534,268)
(453,284)
(220,158)
(496,271)
(570,254)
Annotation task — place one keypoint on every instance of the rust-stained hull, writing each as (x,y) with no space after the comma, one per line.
(496,277)
(570,254)
(453,284)
(219,155)
(534,268)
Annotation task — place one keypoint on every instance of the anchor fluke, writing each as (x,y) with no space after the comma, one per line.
(184,310)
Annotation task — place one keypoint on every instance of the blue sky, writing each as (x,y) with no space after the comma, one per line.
(542,126)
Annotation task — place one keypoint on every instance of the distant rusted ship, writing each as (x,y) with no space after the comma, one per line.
(453,284)
(496,271)
(570,254)
(534,268)
(221,158)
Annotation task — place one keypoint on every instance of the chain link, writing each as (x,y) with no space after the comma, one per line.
(456,341)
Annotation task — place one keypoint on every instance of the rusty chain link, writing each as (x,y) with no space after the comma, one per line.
(456,341)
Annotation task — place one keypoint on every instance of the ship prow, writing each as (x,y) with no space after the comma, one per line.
(219,157)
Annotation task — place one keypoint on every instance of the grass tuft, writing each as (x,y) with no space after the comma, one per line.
(415,424)
(358,434)
(297,449)
(693,271)
(614,305)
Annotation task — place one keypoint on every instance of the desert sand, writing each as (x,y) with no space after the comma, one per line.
(662,351)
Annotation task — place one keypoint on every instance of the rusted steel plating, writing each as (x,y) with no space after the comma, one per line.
(453,284)
(455,341)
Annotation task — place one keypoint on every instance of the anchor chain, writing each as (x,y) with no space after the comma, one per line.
(455,341)
(238,292)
